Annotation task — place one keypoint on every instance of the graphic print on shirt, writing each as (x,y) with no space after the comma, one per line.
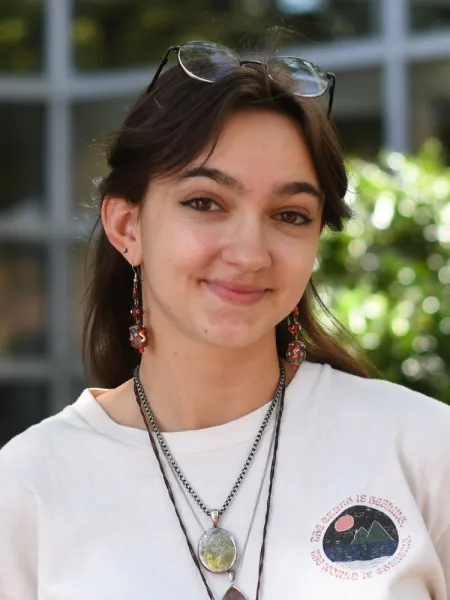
(360,538)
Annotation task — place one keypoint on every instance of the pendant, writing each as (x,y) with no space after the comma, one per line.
(234,594)
(217,548)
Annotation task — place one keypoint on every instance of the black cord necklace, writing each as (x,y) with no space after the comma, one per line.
(269,495)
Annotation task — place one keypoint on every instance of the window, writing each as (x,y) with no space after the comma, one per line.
(21,36)
(358,112)
(23,307)
(77,386)
(22,405)
(326,20)
(131,33)
(430,105)
(429,14)
(92,122)
(22,167)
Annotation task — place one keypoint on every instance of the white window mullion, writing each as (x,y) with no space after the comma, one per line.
(394,22)
(58,142)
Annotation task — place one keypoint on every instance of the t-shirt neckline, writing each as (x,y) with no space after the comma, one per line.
(200,440)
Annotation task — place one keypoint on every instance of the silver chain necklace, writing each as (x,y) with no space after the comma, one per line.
(234,592)
(217,548)
(176,468)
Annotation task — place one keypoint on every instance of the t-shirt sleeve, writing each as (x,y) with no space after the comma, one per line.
(18,537)
(433,456)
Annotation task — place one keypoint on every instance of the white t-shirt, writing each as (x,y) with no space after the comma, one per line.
(360,506)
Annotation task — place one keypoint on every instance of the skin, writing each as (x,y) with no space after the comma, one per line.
(198,237)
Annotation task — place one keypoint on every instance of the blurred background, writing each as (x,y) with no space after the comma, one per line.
(68,71)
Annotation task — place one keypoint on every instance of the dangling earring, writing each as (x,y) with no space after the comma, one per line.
(138,331)
(296,352)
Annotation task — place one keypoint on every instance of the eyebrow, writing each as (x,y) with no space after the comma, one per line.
(292,188)
(218,176)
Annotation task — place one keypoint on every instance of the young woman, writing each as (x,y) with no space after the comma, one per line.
(235,449)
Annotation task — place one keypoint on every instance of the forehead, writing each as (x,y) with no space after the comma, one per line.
(260,145)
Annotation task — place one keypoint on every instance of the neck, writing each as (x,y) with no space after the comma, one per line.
(195,388)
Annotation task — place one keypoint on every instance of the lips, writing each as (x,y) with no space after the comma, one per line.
(237,292)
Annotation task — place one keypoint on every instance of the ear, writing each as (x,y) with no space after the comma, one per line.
(120,222)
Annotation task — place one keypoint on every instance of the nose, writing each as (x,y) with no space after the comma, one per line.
(247,247)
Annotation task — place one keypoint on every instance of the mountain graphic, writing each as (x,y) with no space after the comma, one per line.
(361,536)
(376,533)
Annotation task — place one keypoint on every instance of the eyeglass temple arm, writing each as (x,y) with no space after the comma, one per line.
(162,65)
(332,79)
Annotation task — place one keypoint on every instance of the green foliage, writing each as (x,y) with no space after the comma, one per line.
(387,276)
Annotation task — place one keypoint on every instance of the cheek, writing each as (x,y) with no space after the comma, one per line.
(181,252)
(296,277)
(294,267)
(296,255)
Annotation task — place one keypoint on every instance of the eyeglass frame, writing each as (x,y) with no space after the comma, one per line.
(330,76)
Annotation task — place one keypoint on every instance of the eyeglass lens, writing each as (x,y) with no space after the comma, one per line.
(299,76)
(207,61)
(210,62)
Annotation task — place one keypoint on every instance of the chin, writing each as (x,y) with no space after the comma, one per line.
(232,335)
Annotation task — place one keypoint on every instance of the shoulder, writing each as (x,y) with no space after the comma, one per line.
(30,454)
(28,473)
(370,403)
(386,401)
(384,416)
(393,421)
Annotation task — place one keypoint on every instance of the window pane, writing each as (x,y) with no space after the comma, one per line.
(325,20)
(353,143)
(21,161)
(91,123)
(430,106)
(76,388)
(429,14)
(21,38)
(125,33)
(358,116)
(22,405)
(23,275)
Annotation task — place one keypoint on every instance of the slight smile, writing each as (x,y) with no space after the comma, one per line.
(238,293)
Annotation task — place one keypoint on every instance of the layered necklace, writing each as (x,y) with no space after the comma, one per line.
(217,548)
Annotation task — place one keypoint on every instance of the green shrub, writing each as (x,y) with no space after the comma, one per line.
(387,276)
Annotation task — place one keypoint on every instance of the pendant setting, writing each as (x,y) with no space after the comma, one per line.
(217,549)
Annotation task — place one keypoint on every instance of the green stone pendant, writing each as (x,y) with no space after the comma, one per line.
(217,548)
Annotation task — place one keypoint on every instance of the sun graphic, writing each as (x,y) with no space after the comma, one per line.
(345,523)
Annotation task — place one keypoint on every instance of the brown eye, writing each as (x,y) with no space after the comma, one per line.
(202,204)
(293,218)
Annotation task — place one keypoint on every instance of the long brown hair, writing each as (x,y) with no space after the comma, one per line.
(164,132)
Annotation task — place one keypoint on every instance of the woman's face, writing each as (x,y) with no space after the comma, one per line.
(227,247)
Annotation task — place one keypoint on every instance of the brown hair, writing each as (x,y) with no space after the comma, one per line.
(164,132)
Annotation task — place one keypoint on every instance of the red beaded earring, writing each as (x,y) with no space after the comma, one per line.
(138,331)
(296,352)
